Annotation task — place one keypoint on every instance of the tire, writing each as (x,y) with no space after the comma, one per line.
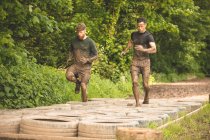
(25,131)
(104,126)
(50,122)
(91,135)
(47,130)
(145,119)
(10,136)
(68,114)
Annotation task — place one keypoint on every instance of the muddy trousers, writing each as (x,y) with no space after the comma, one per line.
(145,71)
(81,75)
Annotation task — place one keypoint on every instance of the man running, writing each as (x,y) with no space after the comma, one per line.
(143,44)
(83,52)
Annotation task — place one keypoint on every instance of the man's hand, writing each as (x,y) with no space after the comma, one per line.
(140,48)
(84,60)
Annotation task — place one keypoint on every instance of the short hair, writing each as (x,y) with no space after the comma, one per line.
(141,19)
(80,26)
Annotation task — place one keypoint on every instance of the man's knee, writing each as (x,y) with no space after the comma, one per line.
(146,86)
(83,84)
(70,77)
(135,83)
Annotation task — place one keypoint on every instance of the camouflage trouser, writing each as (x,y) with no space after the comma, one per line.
(140,67)
(80,72)
(143,67)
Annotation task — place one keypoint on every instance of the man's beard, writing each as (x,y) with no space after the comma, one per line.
(81,37)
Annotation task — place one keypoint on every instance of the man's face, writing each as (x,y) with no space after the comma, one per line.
(141,26)
(81,34)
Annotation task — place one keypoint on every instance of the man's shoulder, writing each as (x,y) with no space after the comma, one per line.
(147,33)
(135,32)
(90,39)
(149,36)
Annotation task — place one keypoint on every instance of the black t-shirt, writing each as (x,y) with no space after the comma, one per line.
(82,48)
(141,39)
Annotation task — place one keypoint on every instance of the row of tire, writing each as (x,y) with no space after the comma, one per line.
(82,123)
(62,126)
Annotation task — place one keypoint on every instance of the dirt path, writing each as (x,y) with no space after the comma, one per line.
(180,89)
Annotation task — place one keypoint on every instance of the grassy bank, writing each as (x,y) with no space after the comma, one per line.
(195,127)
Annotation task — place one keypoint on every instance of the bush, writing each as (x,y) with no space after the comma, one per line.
(33,85)
(23,83)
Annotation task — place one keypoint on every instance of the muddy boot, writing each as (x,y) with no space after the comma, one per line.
(146,102)
(78,86)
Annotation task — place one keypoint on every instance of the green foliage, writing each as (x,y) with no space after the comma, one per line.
(204,19)
(176,128)
(46,28)
(23,83)
(38,25)
(40,32)
(26,84)
(34,85)
(30,85)
(152,125)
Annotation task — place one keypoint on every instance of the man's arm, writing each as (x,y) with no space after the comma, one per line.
(129,45)
(150,50)
(153,48)
(91,59)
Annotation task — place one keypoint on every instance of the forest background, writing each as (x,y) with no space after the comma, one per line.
(35,36)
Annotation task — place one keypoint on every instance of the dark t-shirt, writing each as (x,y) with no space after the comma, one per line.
(82,48)
(141,39)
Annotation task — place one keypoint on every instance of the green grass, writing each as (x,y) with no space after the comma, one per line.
(174,77)
(195,127)
(104,88)
(152,125)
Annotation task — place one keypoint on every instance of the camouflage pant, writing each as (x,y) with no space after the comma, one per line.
(140,67)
